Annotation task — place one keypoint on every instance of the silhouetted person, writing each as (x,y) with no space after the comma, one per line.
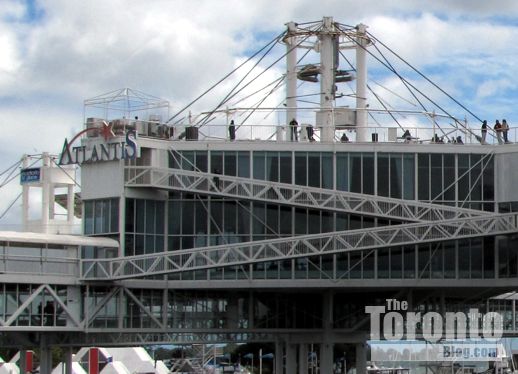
(309,130)
(498,130)
(344,138)
(293,130)
(232,130)
(483,132)
(505,130)
(48,313)
(407,136)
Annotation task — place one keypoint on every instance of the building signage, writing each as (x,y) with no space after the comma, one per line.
(107,151)
(30,175)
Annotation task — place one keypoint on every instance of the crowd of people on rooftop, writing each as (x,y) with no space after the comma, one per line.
(501,130)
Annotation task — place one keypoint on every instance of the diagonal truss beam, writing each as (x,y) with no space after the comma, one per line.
(296,247)
(293,195)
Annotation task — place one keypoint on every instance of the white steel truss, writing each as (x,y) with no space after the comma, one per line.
(296,247)
(293,195)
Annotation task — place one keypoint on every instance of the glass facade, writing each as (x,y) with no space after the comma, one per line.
(101,217)
(187,220)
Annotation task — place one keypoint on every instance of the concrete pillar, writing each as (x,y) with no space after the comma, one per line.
(291,358)
(278,357)
(303,358)
(326,347)
(361,358)
(68,360)
(45,356)
(326,358)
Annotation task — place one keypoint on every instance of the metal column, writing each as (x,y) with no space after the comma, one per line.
(291,358)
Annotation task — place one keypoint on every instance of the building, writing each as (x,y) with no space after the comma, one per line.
(277,239)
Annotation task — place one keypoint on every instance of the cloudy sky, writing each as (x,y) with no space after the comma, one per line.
(57,53)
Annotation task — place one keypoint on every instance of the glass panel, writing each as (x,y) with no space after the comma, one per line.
(463,176)
(489,258)
(450,263)
(437,260)
(285,167)
(114,215)
(408,176)
(130,215)
(396,263)
(476,178)
(230,163)
(368,173)
(488,181)
(89,217)
(449,177)
(327,170)
(300,221)
(216,162)
(188,217)
(259,167)
(159,217)
(396,176)
(476,258)
(436,177)
(272,166)
(464,258)
(301,168)
(187,160)
(355,176)
(243,164)
(140,210)
(202,161)
(150,217)
(383,263)
(314,169)
(424,261)
(423,175)
(342,171)
(174,217)
(383,174)
(409,262)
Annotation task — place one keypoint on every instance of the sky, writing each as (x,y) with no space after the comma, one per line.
(57,53)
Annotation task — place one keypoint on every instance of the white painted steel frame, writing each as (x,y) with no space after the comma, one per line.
(293,195)
(296,247)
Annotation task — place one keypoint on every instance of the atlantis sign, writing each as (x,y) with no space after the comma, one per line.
(108,151)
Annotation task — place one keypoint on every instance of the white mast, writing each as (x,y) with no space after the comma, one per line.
(361,84)
(291,73)
(327,77)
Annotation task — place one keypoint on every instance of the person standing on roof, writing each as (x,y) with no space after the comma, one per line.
(232,130)
(505,130)
(293,130)
(498,130)
(483,131)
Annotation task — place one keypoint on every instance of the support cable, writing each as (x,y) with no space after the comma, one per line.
(225,77)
